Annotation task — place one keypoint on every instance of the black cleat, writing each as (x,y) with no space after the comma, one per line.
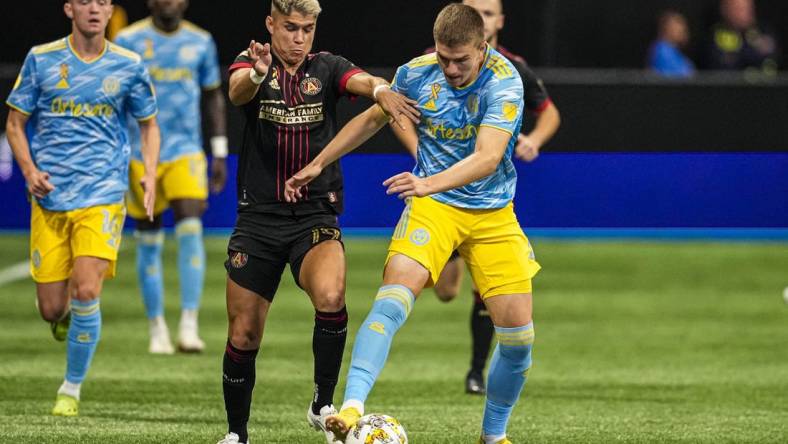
(474,384)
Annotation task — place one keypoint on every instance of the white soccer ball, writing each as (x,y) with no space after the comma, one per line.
(377,429)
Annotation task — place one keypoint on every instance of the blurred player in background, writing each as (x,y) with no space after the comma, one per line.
(548,119)
(183,64)
(288,97)
(74,96)
(459,198)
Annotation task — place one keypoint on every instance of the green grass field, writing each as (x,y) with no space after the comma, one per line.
(636,343)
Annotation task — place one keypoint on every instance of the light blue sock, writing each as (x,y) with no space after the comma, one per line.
(392,306)
(506,377)
(149,245)
(191,261)
(83,336)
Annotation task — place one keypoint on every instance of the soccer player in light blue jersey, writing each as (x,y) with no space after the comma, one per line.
(459,198)
(183,64)
(74,96)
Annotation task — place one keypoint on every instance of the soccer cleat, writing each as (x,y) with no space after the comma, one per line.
(231,438)
(503,441)
(160,343)
(66,406)
(188,339)
(60,328)
(341,423)
(318,422)
(474,384)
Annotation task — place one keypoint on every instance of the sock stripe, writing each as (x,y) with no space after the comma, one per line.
(515,336)
(189,225)
(398,293)
(152,237)
(82,309)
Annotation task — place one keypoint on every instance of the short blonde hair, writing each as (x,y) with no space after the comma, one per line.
(458,24)
(306,7)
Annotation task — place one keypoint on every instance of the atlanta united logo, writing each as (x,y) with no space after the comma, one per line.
(311,86)
(238,260)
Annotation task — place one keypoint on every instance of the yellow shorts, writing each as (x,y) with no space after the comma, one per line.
(58,237)
(491,242)
(183,178)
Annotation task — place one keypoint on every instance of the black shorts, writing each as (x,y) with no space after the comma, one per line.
(262,244)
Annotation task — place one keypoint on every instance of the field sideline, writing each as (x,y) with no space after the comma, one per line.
(637,342)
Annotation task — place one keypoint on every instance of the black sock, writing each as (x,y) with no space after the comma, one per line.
(482,331)
(328,344)
(238,383)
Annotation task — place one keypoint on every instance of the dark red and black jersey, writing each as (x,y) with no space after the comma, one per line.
(290,120)
(536,98)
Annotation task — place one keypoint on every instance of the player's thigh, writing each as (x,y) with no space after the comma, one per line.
(448,286)
(186,178)
(427,232)
(246,313)
(322,275)
(510,310)
(499,255)
(96,233)
(135,195)
(51,258)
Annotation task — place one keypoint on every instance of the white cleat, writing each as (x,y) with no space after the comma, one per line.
(188,339)
(160,343)
(231,438)
(318,422)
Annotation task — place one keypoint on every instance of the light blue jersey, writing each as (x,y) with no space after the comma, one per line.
(77,127)
(181,64)
(450,122)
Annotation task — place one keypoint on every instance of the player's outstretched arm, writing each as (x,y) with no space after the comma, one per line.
(245,82)
(491,145)
(356,132)
(547,123)
(37,181)
(397,106)
(151,142)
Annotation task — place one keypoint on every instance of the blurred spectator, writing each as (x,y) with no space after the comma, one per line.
(739,42)
(666,56)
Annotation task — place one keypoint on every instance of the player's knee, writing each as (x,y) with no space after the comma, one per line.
(446,294)
(51,312)
(330,301)
(86,290)
(245,334)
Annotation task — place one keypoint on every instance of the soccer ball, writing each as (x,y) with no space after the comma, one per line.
(377,429)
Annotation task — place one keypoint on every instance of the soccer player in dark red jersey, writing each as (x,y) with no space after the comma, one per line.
(289,99)
(548,119)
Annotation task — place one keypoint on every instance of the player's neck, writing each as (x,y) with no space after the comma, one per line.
(166,25)
(493,42)
(87,47)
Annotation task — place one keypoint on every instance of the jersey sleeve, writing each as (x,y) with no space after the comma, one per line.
(504,101)
(400,82)
(242,61)
(536,96)
(341,71)
(25,92)
(142,99)
(209,68)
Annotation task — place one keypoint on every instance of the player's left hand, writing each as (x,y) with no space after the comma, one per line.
(398,107)
(218,174)
(406,185)
(527,149)
(148,183)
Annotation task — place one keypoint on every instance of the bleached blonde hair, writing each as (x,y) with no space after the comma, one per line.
(306,7)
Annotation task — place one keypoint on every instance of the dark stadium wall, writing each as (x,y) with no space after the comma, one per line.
(568,33)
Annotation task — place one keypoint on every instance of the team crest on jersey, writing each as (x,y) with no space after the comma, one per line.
(509,110)
(188,53)
(63,83)
(274,84)
(311,86)
(239,260)
(148,52)
(110,85)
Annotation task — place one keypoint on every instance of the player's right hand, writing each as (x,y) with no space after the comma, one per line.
(299,179)
(148,183)
(261,57)
(38,184)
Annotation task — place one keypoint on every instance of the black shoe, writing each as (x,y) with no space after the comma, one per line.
(474,384)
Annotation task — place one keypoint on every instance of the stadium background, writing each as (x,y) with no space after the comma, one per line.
(676,340)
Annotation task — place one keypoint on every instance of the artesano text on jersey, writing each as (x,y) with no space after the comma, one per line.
(77,127)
